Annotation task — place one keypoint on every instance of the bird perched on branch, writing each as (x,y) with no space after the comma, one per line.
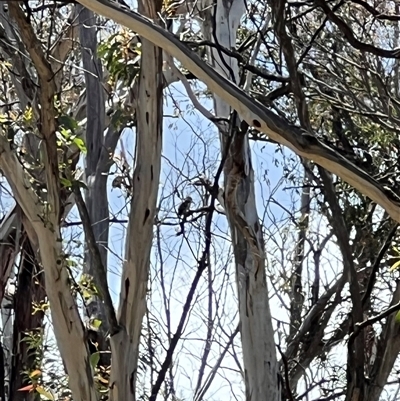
(184,207)
(183,212)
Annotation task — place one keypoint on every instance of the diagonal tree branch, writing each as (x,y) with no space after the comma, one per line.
(47,90)
(18,181)
(349,35)
(377,14)
(255,114)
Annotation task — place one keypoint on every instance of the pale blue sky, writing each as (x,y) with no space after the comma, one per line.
(186,139)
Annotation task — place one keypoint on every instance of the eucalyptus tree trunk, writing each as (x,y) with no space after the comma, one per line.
(145,182)
(259,356)
(96,194)
(296,294)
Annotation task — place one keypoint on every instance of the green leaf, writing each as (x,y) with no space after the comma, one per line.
(397,318)
(395,266)
(28,115)
(96,323)
(66,133)
(36,373)
(80,144)
(86,294)
(94,359)
(71,263)
(65,183)
(68,122)
(46,394)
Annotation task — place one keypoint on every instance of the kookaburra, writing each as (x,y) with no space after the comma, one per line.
(184,207)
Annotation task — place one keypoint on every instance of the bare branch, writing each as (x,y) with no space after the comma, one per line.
(348,33)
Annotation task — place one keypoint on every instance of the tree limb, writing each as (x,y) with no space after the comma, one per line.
(47,90)
(255,114)
(101,271)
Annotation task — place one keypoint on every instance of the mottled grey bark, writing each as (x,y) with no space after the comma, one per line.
(257,334)
(297,295)
(96,194)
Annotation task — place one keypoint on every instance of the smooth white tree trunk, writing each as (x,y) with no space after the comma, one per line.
(145,182)
(258,345)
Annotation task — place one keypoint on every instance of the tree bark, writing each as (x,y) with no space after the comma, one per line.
(44,219)
(145,182)
(96,194)
(257,334)
(30,290)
